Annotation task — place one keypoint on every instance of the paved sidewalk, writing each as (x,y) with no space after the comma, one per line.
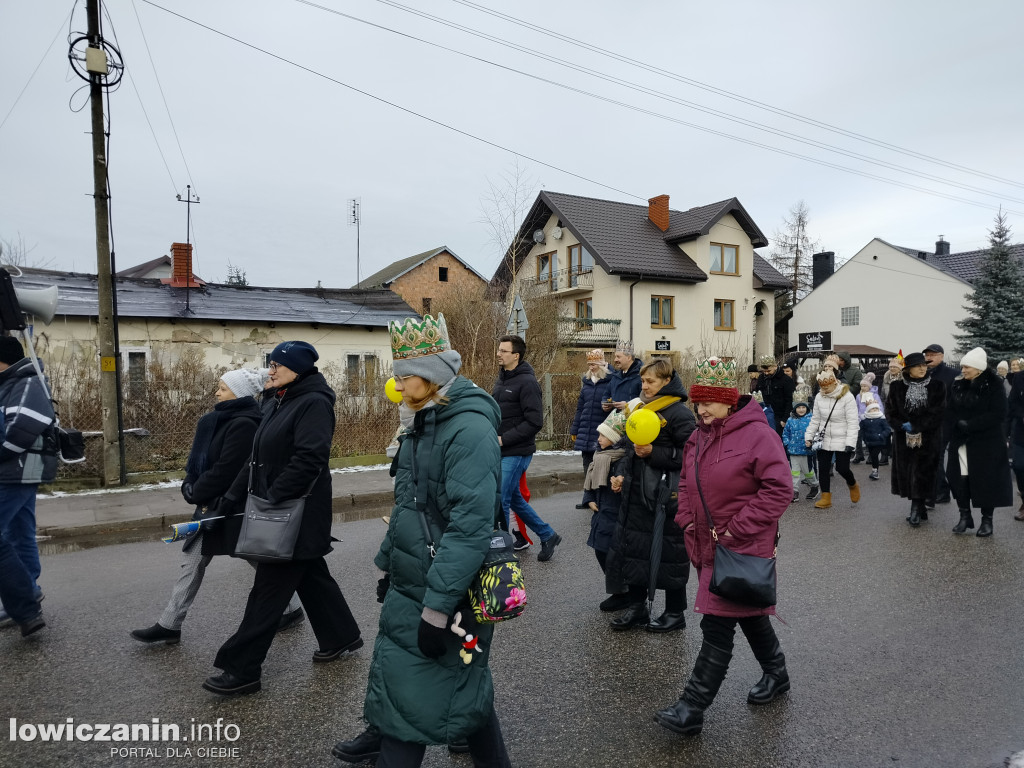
(359,493)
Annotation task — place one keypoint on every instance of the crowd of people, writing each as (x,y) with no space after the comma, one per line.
(718,471)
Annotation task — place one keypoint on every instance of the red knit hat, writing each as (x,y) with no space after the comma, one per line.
(716,382)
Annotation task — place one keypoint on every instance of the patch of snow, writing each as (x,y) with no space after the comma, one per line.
(1015,761)
(166,485)
(367,468)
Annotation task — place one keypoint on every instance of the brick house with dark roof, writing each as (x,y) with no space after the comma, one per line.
(427,278)
(668,280)
(865,301)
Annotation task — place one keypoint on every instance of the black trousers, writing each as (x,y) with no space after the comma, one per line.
(873,453)
(486,747)
(842,468)
(675,599)
(720,632)
(329,615)
(963,499)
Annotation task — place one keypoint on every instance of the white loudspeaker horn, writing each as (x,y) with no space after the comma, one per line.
(42,302)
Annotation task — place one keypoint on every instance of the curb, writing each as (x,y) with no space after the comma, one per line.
(345,508)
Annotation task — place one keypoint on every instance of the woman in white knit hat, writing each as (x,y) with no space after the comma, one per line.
(222,443)
(977,462)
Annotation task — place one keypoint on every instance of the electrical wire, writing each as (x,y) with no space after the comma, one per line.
(392,104)
(641,89)
(735,96)
(34,71)
(562,170)
(170,118)
(695,126)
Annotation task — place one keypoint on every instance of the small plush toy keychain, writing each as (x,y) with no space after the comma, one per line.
(469,642)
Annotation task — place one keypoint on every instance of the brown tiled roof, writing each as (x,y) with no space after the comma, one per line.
(624,242)
(395,270)
(769,276)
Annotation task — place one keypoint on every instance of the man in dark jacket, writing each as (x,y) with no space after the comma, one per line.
(941,371)
(625,380)
(28,455)
(522,416)
(776,389)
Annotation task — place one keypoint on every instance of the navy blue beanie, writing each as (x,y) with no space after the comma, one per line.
(299,356)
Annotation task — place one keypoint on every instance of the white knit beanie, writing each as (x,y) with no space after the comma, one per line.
(246,382)
(976,358)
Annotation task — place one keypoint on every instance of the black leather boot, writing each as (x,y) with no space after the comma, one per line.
(635,615)
(686,716)
(985,529)
(916,507)
(364,747)
(966,521)
(775,680)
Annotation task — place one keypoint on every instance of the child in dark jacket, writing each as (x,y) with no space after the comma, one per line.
(602,500)
(799,453)
(875,431)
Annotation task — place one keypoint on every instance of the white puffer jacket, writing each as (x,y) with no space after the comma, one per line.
(842,428)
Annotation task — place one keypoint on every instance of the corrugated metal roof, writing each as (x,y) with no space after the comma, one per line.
(77,296)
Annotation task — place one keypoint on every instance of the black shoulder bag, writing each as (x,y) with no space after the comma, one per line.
(744,579)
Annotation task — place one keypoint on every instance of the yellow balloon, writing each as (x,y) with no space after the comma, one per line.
(393,394)
(643,426)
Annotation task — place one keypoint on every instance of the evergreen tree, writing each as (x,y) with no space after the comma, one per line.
(995,310)
(237,276)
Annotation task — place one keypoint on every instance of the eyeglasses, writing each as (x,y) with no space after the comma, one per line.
(274,366)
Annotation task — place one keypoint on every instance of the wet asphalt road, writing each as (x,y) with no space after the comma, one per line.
(906,648)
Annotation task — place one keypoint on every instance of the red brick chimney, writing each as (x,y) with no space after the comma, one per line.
(657,211)
(181,265)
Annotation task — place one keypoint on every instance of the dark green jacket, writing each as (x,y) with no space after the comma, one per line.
(410,697)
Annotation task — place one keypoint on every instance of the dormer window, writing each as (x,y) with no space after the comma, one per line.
(724,259)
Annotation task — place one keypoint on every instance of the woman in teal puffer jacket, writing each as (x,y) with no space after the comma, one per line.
(424,686)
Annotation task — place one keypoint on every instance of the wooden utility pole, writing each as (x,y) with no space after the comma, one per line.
(96,64)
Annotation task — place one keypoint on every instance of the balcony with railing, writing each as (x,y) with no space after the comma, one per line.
(564,282)
(587,331)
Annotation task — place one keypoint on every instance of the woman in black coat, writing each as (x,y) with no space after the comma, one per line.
(914,410)
(977,464)
(221,447)
(1016,408)
(648,476)
(289,460)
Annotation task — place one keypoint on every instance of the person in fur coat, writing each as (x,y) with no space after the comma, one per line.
(914,409)
(977,464)
(835,412)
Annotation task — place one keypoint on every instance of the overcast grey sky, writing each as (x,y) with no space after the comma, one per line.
(274,152)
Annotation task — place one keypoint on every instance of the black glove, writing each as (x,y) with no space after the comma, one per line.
(431,640)
(850,449)
(186,492)
(382,587)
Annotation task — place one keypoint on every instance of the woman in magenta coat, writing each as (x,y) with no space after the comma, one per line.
(746,482)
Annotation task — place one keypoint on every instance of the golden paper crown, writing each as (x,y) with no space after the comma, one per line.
(418,338)
(715,372)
